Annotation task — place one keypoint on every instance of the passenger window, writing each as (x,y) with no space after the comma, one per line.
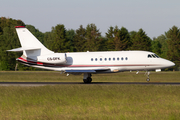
(109,59)
(114,59)
(91,59)
(100,59)
(126,58)
(105,59)
(122,58)
(118,59)
(96,59)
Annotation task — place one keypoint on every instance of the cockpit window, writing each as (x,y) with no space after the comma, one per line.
(156,55)
(149,56)
(153,56)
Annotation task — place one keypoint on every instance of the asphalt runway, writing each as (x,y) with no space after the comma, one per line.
(81,83)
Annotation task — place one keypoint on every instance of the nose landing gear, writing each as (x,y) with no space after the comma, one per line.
(147,74)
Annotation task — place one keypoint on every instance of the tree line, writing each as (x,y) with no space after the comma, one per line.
(88,38)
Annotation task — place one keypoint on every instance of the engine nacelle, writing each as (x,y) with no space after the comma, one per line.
(55,58)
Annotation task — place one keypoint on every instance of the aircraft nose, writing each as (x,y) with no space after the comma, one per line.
(166,63)
(170,64)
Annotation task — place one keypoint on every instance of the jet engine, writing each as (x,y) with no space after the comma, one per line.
(55,58)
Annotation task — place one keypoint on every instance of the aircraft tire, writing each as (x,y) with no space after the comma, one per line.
(88,80)
(85,80)
(147,79)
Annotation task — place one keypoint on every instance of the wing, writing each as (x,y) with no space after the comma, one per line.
(87,71)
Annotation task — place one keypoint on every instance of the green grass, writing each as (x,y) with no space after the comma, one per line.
(89,102)
(51,76)
(131,102)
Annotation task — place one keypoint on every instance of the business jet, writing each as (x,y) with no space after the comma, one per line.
(35,54)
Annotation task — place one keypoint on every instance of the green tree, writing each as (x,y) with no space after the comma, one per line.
(110,35)
(79,39)
(140,41)
(9,22)
(122,39)
(156,47)
(70,37)
(8,40)
(93,38)
(118,39)
(161,43)
(48,39)
(103,44)
(60,42)
(173,41)
(132,34)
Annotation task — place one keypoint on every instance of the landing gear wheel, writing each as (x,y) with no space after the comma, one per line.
(88,80)
(147,79)
(85,80)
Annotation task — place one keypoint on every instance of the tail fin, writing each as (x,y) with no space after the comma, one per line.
(31,46)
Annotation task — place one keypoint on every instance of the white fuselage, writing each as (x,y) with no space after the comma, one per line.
(115,61)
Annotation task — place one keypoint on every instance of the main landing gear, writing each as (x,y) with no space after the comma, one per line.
(87,78)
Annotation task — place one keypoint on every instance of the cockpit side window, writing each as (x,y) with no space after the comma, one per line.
(153,56)
(149,56)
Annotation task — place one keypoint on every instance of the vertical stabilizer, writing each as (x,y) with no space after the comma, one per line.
(30,44)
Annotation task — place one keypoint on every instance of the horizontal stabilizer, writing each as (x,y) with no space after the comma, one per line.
(21,49)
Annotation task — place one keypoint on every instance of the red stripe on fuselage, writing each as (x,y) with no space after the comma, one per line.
(27,61)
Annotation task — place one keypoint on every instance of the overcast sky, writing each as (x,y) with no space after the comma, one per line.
(154,16)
